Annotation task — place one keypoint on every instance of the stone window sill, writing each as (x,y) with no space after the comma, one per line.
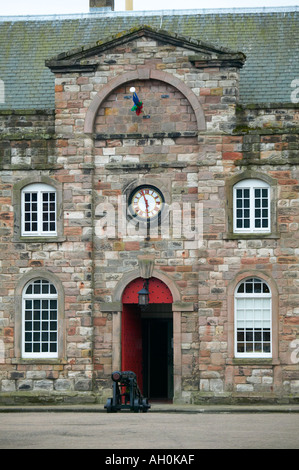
(40,239)
(254,361)
(249,236)
(39,361)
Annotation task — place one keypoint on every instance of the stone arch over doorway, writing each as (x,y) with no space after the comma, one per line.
(144,74)
(130,276)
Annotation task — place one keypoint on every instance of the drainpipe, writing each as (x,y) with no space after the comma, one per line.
(129,4)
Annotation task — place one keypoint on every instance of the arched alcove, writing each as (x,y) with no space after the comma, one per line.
(144,74)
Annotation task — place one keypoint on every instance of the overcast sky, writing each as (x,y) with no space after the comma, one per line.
(49,7)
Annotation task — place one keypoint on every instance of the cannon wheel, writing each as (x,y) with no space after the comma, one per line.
(109,407)
(137,407)
(145,406)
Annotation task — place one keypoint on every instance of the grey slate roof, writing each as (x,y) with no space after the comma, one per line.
(269,39)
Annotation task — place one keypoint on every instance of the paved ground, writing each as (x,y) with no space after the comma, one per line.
(187,428)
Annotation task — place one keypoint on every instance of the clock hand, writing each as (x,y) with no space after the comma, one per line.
(146,202)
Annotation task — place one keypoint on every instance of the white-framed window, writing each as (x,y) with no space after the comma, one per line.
(40,320)
(39,210)
(252,207)
(253,319)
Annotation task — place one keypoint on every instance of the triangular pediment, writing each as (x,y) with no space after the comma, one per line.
(86,58)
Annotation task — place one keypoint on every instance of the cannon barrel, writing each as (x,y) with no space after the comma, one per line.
(123,376)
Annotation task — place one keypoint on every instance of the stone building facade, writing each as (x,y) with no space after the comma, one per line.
(221,260)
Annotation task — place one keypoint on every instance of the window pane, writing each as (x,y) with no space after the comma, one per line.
(257,287)
(28,326)
(45,336)
(249,335)
(241,288)
(28,315)
(257,336)
(36,337)
(249,287)
(265,193)
(53,347)
(52,290)
(53,337)
(266,289)
(36,287)
(36,315)
(267,348)
(45,287)
(257,193)
(240,335)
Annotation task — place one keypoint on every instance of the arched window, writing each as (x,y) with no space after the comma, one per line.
(39,210)
(251,206)
(40,320)
(253,319)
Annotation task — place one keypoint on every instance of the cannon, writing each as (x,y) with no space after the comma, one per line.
(126,394)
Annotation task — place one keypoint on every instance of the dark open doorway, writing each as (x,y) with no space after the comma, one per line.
(157,334)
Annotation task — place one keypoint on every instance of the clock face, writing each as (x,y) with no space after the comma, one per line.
(146,202)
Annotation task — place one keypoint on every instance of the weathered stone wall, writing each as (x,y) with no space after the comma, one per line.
(29,154)
(192,167)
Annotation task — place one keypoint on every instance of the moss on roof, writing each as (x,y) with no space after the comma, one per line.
(270,41)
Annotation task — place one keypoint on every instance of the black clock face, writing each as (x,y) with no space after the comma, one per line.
(146,202)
